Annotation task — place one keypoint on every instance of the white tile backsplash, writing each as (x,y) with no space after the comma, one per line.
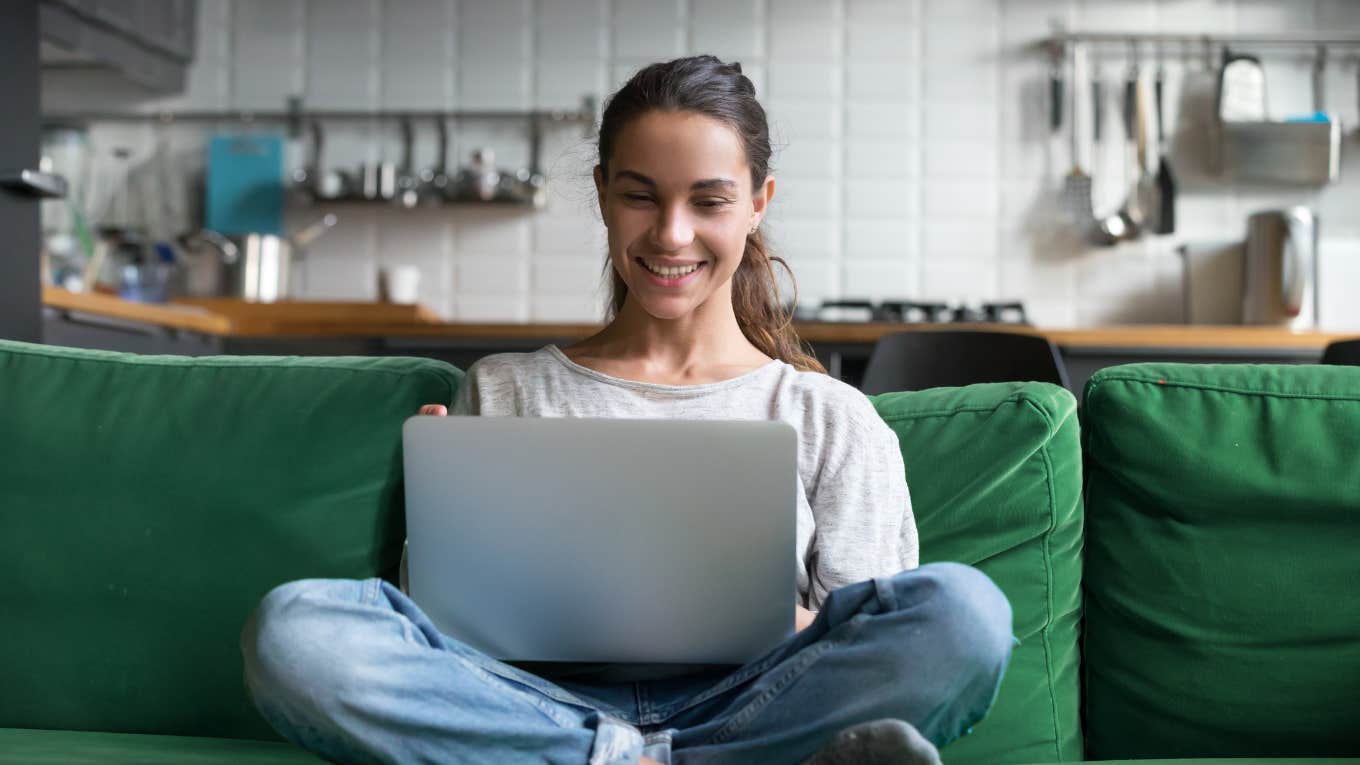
(342,54)
(799,121)
(877,239)
(892,279)
(952,158)
(567,275)
(419,48)
(729,29)
(579,308)
(803,78)
(881,120)
(810,158)
(498,232)
(572,29)
(1339,282)
(508,307)
(807,238)
(575,235)
(805,29)
(881,79)
(652,30)
(957,280)
(561,83)
(893,198)
(878,158)
(491,274)
(912,149)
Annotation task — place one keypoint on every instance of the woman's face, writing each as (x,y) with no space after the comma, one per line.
(678,200)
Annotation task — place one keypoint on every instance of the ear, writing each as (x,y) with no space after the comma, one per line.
(599,189)
(760,201)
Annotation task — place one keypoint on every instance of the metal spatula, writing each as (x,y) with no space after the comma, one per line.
(1076,193)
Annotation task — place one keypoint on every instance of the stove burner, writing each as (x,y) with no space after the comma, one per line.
(912,312)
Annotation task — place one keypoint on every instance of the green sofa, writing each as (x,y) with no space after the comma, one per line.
(1191,598)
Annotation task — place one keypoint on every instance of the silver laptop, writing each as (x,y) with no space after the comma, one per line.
(603,540)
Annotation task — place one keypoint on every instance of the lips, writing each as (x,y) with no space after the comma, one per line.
(675,277)
(669,263)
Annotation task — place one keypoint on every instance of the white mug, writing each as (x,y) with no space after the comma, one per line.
(403,283)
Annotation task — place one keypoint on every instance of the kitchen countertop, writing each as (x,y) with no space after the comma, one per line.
(235,318)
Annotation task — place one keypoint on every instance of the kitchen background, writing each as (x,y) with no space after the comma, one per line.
(915,157)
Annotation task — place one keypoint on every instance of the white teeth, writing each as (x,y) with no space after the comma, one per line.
(671,272)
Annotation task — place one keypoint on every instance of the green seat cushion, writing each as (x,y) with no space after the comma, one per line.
(995,478)
(1223,551)
(19,746)
(1232,761)
(151,501)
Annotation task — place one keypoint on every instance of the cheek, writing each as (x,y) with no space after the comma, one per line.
(726,240)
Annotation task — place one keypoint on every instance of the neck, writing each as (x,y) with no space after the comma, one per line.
(708,336)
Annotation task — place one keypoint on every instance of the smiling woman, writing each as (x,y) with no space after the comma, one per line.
(883,660)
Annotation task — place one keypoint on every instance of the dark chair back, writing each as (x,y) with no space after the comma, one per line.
(1343,352)
(934,359)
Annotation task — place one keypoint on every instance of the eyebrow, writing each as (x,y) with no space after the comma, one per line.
(707,183)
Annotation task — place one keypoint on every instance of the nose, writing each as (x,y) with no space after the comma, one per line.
(672,230)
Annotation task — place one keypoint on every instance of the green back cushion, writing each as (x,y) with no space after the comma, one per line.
(995,478)
(1223,551)
(149,502)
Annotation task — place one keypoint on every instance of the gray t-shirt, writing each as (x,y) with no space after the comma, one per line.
(854,512)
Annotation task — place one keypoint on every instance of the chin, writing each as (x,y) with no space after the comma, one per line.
(668,310)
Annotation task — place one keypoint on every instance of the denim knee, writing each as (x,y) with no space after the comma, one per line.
(293,648)
(971,614)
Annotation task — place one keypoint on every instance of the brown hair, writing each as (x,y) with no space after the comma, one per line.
(707,86)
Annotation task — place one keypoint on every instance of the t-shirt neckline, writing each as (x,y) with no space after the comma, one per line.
(730,382)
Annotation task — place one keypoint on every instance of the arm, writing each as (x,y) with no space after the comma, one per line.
(864,522)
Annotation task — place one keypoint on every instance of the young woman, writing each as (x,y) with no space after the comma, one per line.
(354,671)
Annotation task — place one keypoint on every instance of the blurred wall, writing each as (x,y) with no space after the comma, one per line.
(914,160)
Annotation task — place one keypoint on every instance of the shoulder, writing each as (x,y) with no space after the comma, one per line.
(497,384)
(507,366)
(823,395)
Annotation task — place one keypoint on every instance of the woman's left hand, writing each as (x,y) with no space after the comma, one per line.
(802,617)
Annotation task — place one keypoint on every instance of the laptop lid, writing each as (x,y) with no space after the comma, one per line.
(603,540)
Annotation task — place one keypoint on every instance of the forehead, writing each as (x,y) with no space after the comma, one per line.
(677,148)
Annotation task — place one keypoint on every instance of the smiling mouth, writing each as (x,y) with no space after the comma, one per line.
(672,272)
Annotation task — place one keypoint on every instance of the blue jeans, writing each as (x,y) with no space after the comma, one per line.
(353,671)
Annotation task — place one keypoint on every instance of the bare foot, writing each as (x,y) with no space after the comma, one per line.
(648,761)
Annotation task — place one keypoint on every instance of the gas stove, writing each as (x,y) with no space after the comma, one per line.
(911,312)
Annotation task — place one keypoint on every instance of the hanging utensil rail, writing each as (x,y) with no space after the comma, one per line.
(1058,42)
(295,116)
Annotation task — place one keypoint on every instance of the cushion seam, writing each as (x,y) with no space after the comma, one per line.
(1046,632)
(1167,383)
(1020,398)
(192,362)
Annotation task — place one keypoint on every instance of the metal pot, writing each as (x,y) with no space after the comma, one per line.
(256,267)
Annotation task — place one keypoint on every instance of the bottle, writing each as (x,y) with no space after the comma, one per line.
(486,179)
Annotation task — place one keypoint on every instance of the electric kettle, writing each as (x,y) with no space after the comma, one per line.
(1280,269)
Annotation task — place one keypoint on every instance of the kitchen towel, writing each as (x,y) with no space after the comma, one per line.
(245,184)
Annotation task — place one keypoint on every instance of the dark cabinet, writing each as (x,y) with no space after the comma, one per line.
(150,42)
(20,316)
